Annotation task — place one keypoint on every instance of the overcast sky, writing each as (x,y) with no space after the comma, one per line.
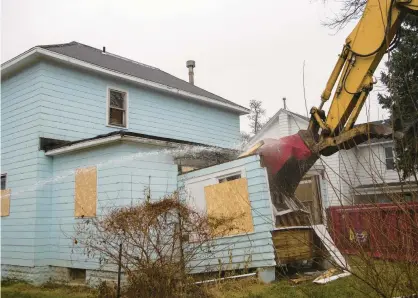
(243,49)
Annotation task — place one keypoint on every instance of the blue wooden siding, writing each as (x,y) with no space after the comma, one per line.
(254,249)
(74,107)
(20,125)
(48,100)
(124,172)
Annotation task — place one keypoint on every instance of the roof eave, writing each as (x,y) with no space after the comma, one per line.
(29,56)
(106,141)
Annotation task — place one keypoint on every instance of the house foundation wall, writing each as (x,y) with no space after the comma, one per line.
(42,274)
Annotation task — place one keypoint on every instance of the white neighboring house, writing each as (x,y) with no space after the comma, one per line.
(363,174)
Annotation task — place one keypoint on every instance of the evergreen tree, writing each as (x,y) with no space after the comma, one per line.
(401,98)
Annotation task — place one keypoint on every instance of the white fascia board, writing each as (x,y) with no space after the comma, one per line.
(106,141)
(150,84)
(17,59)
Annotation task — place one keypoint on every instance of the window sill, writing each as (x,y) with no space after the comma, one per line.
(118,127)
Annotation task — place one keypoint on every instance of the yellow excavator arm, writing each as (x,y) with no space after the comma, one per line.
(288,159)
(361,54)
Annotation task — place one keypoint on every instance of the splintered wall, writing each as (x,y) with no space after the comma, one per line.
(237,188)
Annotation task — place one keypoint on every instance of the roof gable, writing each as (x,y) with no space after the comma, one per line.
(274,119)
(121,65)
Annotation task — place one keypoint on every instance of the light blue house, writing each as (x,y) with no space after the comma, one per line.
(70,109)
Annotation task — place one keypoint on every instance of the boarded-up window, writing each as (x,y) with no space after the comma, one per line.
(5,202)
(230,199)
(85,192)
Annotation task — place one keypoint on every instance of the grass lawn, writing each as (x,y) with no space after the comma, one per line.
(385,275)
(23,290)
(344,287)
(250,288)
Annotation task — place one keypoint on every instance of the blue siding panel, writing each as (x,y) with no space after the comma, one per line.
(20,97)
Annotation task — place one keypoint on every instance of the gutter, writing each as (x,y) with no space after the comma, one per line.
(63,58)
(83,145)
(105,141)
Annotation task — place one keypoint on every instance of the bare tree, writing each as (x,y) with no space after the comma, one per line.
(245,137)
(350,10)
(157,244)
(256,115)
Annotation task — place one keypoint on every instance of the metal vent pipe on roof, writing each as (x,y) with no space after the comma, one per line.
(284,103)
(104,49)
(190,64)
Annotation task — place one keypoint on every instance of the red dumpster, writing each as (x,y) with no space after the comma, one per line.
(387,231)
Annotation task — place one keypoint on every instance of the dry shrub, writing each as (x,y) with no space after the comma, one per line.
(107,290)
(158,242)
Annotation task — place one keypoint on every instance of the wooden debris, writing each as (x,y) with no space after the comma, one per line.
(301,279)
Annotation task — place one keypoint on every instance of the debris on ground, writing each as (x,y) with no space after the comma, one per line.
(301,279)
(330,275)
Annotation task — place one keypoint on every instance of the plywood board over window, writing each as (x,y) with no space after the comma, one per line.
(230,199)
(85,192)
(5,202)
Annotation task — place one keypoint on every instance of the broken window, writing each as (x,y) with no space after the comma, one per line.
(229,178)
(117,108)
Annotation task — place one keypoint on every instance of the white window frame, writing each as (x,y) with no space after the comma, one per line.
(219,178)
(386,158)
(109,88)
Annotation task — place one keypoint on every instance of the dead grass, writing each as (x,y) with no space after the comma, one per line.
(23,290)
(251,288)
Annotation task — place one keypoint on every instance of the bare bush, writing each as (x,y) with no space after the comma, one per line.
(155,244)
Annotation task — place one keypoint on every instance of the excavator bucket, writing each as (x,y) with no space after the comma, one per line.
(287,160)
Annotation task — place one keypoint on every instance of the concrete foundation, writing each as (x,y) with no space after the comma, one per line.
(34,275)
(42,274)
(266,274)
(95,277)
